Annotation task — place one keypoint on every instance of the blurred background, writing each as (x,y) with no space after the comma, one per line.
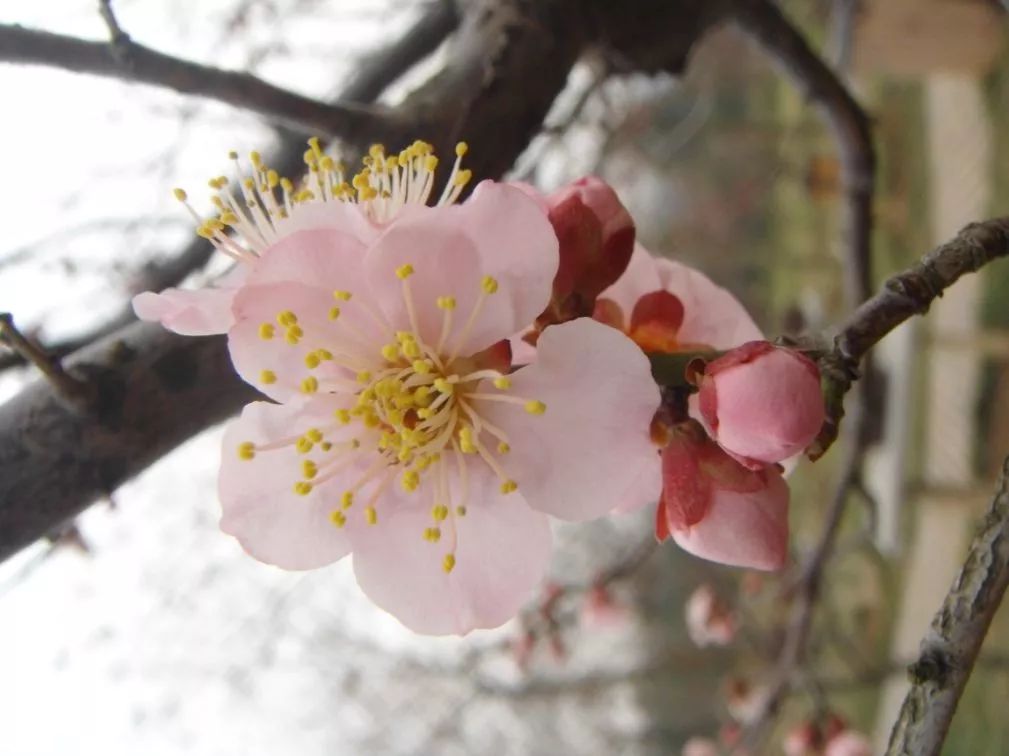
(141,629)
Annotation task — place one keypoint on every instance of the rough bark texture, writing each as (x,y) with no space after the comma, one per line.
(952,643)
(508,63)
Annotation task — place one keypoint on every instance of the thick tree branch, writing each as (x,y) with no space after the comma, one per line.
(125,59)
(952,644)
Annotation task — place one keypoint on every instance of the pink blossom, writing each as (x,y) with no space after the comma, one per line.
(848,743)
(698,746)
(709,621)
(762,403)
(266,211)
(404,438)
(716,508)
(802,740)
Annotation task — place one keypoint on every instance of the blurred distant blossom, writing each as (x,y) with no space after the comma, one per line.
(709,620)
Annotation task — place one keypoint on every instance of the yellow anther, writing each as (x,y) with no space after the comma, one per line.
(343,416)
(327,163)
(229,218)
(411,349)
(267,377)
(303,445)
(432,534)
(343,296)
(430,163)
(324,354)
(370,515)
(422,366)
(503,382)
(303,488)
(448,563)
(403,272)
(503,448)
(325,446)
(347,499)
(462,177)
(371,421)
(267,331)
(461,149)
(466,445)
(443,386)
(376,151)
(445,303)
(287,318)
(232,155)
(246,450)
(488,284)
(293,334)
(508,486)
(314,435)
(411,480)
(364,376)
(334,313)
(180,194)
(256,159)
(460,511)
(313,142)
(439,512)
(309,469)
(272,178)
(535,407)
(338,518)
(286,185)
(312,360)
(390,352)
(310,385)
(422,395)
(424,413)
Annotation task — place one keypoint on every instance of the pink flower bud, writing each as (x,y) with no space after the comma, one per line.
(709,620)
(596,235)
(762,403)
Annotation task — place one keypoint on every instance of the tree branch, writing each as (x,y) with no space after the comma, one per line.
(122,58)
(952,644)
(906,294)
(847,121)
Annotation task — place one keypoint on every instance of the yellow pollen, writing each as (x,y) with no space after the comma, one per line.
(303,445)
(308,469)
(448,563)
(287,318)
(460,511)
(312,360)
(390,352)
(334,313)
(445,303)
(370,515)
(410,349)
(508,486)
(489,284)
(503,448)
(267,331)
(303,488)
(246,450)
(343,416)
(338,518)
(430,163)
(310,385)
(403,272)
(325,446)
(314,435)
(347,500)
(232,155)
(364,376)
(461,149)
(422,366)
(343,296)
(466,445)
(432,534)
(443,386)
(411,480)
(504,383)
(462,177)
(439,512)
(268,377)
(180,194)
(535,407)
(293,334)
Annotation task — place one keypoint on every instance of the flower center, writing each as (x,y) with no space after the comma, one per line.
(413,407)
(255,206)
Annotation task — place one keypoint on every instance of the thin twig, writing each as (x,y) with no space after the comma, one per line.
(70,388)
(952,643)
(148,66)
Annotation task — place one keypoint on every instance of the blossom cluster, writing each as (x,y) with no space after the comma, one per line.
(443,376)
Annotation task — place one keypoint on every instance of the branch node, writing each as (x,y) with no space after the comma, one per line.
(120,43)
(73,389)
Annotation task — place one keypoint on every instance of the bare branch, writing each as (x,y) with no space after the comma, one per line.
(126,59)
(906,294)
(952,644)
(70,388)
